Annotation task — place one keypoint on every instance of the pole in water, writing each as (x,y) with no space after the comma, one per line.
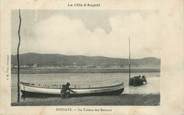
(18,62)
(129,62)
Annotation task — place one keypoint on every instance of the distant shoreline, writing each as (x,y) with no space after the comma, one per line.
(77,70)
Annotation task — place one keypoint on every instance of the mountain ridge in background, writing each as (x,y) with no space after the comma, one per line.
(80,60)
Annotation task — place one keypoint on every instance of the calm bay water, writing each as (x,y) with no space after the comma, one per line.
(89,80)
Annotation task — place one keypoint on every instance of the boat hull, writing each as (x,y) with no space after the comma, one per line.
(31,91)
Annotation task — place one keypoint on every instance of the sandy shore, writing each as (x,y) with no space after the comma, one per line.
(125,99)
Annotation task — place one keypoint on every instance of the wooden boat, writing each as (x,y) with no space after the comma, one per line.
(138,80)
(31,90)
(135,80)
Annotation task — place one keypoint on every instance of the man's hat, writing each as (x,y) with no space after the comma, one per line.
(67,83)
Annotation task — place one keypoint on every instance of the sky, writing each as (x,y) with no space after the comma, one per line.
(88,32)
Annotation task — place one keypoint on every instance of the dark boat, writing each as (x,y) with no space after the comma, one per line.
(31,90)
(135,80)
(138,80)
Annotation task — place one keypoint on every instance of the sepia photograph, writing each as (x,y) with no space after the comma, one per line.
(85,57)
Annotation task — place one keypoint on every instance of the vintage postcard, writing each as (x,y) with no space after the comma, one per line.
(92,57)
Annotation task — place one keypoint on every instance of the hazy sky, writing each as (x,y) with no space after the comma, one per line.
(88,32)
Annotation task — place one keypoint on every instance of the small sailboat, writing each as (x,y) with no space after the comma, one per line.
(135,80)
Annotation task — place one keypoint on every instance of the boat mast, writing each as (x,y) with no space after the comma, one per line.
(18,62)
(129,62)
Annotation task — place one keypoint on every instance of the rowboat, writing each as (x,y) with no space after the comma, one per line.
(31,90)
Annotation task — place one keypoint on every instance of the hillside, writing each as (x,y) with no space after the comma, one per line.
(45,60)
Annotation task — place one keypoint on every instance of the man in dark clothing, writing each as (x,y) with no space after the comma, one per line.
(65,91)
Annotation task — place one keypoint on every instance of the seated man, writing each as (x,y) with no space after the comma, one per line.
(144,79)
(65,91)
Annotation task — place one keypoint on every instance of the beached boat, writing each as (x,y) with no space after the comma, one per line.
(135,80)
(32,90)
